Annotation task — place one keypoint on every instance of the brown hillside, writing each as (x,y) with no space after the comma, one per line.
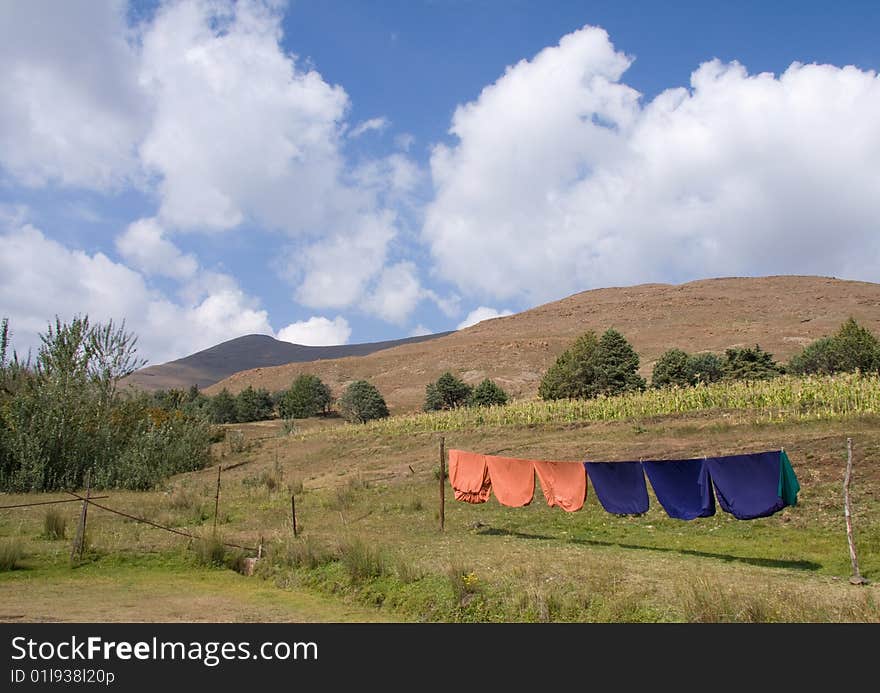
(781,313)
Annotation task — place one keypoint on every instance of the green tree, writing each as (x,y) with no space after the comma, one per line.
(617,365)
(673,368)
(447,392)
(362,402)
(851,348)
(706,368)
(222,408)
(486,394)
(573,375)
(253,405)
(750,364)
(307,396)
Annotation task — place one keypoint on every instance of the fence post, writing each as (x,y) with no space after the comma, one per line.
(217,498)
(80,538)
(293,513)
(856,578)
(442,483)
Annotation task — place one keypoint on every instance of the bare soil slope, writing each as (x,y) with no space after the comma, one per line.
(781,313)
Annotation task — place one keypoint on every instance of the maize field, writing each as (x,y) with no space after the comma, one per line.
(782,399)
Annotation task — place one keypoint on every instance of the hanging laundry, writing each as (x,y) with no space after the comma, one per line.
(682,487)
(620,486)
(564,484)
(752,486)
(513,480)
(788,483)
(469,476)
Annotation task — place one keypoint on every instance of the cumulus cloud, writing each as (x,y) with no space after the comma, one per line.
(480,314)
(317,331)
(396,293)
(562,179)
(420,331)
(378,124)
(143,245)
(41,278)
(71,111)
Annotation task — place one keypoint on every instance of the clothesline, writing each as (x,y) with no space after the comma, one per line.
(747,486)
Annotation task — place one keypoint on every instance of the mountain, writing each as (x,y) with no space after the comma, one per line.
(244,353)
(781,313)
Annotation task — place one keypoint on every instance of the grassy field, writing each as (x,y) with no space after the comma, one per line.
(369,546)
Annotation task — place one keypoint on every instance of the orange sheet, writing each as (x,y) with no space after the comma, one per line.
(469,476)
(513,480)
(564,484)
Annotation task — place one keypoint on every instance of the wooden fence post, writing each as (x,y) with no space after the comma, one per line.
(856,578)
(293,513)
(80,538)
(442,483)
(217,498)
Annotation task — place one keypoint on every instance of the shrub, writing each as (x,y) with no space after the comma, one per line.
(679,369)
(362,402)
(363,561)
(210,551)
(487,393)
(222,408)
(447,392)
(253,405)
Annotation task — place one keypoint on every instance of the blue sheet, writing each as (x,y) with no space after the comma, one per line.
(620,486)
(682,487)
(747,486)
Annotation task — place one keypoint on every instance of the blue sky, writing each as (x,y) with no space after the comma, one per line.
(340,171)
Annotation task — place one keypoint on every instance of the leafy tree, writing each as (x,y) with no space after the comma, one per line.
(253,405)
(608,365)
(673,368)
(750,364)
(362,402)
(573,375)
(223,409)
(617,365)
(679,369)
(851,348)
(706,368)
(487,393)
(448,392)
(307,396)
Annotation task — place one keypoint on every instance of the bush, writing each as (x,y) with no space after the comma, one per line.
(10,554)
(486,394)
(448,392)
(362,402)
(222,408)
(307,396)
(362,560)
(851,348)
(592,367)
(750,364)
(210,552)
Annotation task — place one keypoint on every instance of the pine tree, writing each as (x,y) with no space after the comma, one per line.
(362,402)
(487,393)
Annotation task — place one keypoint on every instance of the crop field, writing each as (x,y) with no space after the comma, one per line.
(368,544)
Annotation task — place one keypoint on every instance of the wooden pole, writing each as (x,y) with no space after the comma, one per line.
(80,538)
(442,483)
(217,498)
(856,578)
(293,513)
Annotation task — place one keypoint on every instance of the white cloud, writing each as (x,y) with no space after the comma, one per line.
(71,111)
(396,293)
(404,141)
(420,331)
(40,278)
(378,124)
(336,271)
(143,245)
(561,179)
(480,314)
(317,331)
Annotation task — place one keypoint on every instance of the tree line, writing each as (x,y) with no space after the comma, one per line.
(608,365)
